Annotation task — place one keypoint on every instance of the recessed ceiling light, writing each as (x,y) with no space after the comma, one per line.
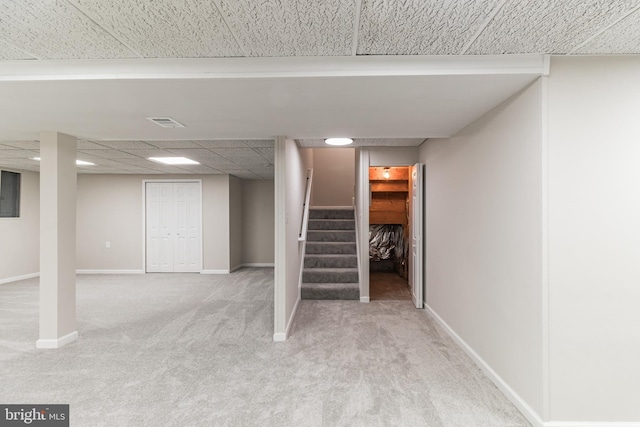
(78,162)
(173,160)
(338,141)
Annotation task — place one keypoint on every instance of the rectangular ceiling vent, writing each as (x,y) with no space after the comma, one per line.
(166,122)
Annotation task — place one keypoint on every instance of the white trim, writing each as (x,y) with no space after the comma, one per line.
(18,278)
(279,337)
(510,393)
(59,342)
(215,271)
(271,67)
(293,316)
(364,299)
(110,272)
(258,264)
(363,220)
(544,247)
(280,233)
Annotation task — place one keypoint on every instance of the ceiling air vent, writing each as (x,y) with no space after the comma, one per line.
(166,122)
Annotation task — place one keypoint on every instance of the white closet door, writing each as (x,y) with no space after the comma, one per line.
(173,227)
(187,240)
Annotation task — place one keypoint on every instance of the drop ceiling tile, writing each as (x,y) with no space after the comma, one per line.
(202,169)
(217,163)
(259,143)
(150,152)
(622,38)
(165,28)
(235,152)
(267,152)
(17,154)
(8,52)
(245,175)
(55,29)
(25,145)
(173,144)
(109,154)
(127,145)
(194,153)
(249,161)
(420,27)
(533,26)
(292,27)
(83,144)
(222,143)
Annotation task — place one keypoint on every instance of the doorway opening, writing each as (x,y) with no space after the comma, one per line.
(389,233)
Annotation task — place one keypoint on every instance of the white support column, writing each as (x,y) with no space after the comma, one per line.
(280,270)
(57,240)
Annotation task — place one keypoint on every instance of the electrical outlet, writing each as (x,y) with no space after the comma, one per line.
(107,245)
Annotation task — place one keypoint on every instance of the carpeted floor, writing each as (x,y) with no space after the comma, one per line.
(196,350)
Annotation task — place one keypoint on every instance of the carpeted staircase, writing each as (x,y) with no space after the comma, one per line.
(330,263)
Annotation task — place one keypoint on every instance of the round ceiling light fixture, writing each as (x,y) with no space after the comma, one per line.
(338,141)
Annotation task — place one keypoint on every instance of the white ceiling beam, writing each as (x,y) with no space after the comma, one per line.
(289,67)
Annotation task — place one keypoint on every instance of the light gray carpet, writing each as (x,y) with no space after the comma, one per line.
(196,350)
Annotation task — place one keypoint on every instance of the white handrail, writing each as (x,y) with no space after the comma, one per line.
(305,210)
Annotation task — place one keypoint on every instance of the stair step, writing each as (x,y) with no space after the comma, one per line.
(331,236)
(332,224)
(331,261)
(330,275)
(331,248)
(320,213)
(341,291)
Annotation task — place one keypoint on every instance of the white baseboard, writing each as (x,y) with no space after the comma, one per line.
(364,299)
(215,272)
(282,336)
(18,278)
(258,264)
(109,271)
(526,410)
(59,342)
(279,337)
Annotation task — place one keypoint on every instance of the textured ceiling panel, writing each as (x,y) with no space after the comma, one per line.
(554,26)
(623,37)
(25,145)
(165,28)
(8,52)
(54,29)
(173,144)
(292,27)
(419,27)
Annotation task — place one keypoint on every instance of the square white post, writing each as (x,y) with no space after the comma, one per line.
(57,240)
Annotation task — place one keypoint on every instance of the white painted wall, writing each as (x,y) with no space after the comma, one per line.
(393,156)
(594,238)
(333,176)
(235,222)
(483,237)
(20,250)
(257,221)
(110,208)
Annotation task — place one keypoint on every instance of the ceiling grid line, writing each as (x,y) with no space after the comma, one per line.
(604,29)
(85,14)
(356,28)
(235,37)
(484,25)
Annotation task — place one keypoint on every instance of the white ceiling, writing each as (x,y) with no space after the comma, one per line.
(97,68)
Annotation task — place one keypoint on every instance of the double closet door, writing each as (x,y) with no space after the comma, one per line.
(173,227)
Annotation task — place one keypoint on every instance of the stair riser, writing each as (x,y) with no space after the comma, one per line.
(331,248)
(329,277)
(331,236)
(330,214)
(342,293)
(346,261)
(332,224)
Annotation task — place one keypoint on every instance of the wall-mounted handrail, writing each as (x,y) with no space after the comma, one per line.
(305,210)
